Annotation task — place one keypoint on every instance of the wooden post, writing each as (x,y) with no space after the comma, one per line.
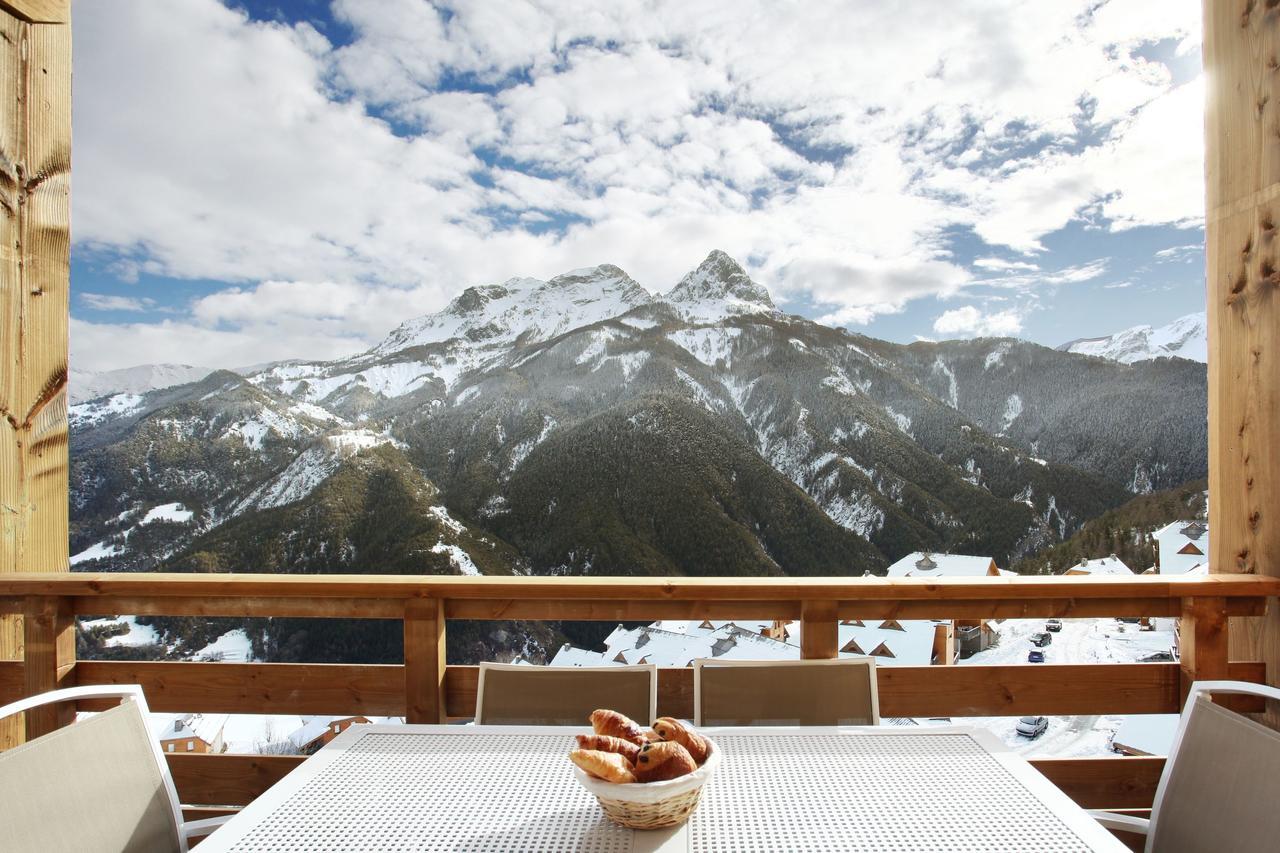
(1242,182)
(49,629)
(424,660)
(35,246)
(819,630)
(1203,639)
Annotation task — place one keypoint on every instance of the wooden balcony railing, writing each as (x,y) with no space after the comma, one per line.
(424,689)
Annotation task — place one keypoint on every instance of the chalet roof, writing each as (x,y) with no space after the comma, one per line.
(1112,565)
(206,727)
(1147,734)
(920,564)
(1176,558)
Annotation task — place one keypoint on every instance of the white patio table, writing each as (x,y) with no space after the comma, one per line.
(510,788)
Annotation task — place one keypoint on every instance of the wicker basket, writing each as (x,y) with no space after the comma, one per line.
(652,805)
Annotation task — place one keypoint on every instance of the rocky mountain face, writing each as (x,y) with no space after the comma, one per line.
(89,385)
(584,426)
(1187,337)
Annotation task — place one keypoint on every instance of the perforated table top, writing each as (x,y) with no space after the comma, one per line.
(499,788)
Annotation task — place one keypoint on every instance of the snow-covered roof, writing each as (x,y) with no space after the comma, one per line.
(1184,545)
(206,727)
(568,655)
(1112,565)
(1147,734)
(918,564)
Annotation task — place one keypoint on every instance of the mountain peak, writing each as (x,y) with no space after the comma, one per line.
(719,288)
(1186,337)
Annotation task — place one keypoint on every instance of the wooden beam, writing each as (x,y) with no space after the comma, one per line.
(35,251)
(13,684)
(1202,640)
(49,635)
(38,11)
(246,606)
(255,688)
(961,691)
(1105,783)
(1242,184)
(227,780)
(424,661)
(819,630)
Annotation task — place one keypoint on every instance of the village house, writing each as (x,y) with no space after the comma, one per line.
(1112,565)
(194,733)
(1183,547)
(317,731)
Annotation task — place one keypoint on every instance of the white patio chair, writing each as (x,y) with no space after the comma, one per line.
(1221,784)
(840,692)
(99,784)
(513,694)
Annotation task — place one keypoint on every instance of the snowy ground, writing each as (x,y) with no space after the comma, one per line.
(1079,641)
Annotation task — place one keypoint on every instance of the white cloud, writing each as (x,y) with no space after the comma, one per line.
(638,133)
(969,321)
(107,302)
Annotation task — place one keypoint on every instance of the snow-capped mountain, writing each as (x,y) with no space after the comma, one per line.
(1186,337)
(582,425)
(89,385)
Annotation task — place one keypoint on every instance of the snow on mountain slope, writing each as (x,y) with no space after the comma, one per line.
(1186,337)
(90,385)
(528,308)
(717,289)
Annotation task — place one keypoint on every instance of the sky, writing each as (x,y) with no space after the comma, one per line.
(255,181)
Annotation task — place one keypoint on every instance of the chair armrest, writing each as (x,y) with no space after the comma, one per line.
(1122,822)
(200,828)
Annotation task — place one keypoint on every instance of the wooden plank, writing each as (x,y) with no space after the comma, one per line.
(13,682)
(49,637)
(424,661)
(619,610)
(1203,642)
(39,11)
(224,605)
(35,247)
(1242,188)
(819,630)
(978,691)
(255,688)
(1050,590)
(227,780)
(1105,783)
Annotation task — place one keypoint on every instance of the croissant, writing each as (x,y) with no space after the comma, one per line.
(606,722)
(663,760)
(671,729)
(609,766)
(609,743)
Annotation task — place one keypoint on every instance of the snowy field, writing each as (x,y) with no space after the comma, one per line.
(1079,641)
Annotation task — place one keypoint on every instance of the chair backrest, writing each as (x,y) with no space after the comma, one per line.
(1221,785)
(94,785)
(511,694)
(839,692)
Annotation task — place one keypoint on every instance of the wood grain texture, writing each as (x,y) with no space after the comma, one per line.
(1105,783)
(1034,592)
(13,682)
(819,629)
(35,164)
(236,780)
(38,11)
(424,661)
(227,780)
(1242,186)
(49,635)
(247,605)
(256,688)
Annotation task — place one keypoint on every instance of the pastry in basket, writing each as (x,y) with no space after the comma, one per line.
(663,760)
(609,743)
(609,766)
(606,722)
(671,729)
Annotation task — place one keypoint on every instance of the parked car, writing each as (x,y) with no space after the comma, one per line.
(1054,625)
(1042,639)
(1032,727)
(1035,656)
